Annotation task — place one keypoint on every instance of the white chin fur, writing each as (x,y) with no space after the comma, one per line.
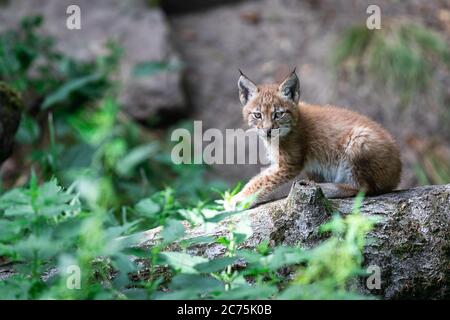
(281,132)
(284,131)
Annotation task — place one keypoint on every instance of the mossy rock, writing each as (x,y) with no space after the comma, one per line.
(11,107)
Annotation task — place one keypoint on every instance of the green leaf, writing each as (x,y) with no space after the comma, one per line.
(64,92)
(197,240)
(19,210)
(248,292)
(173,230)
(147,208)
(95,125)
(284,256)
(136,156)
(182,262)
(251,257)
(189,286)
(10,230)
(42,247)
(52,200)
(14,197)
(16,287)
(215,265)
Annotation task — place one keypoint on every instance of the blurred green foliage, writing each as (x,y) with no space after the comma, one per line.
(76,129)
(45,230)
(30,63)
(403,55)
(432,168)
(99,179)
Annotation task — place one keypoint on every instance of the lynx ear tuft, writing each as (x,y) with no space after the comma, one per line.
(290,88)
(247,89)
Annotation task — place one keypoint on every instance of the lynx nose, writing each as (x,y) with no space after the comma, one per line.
(268,133)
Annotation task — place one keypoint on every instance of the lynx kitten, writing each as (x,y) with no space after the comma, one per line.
(341,150)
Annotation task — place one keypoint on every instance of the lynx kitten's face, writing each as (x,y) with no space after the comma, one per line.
(270,109)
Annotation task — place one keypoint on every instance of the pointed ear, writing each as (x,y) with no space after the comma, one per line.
(290,88)
(247,89)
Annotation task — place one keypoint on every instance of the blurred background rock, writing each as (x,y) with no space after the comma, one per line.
(180,59)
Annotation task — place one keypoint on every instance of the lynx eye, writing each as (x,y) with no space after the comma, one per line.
(278,114)
(256,115)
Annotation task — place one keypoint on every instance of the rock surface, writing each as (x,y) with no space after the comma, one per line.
(411,245)
(141,31)
(177,6)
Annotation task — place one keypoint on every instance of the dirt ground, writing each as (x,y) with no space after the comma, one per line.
(267,39)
